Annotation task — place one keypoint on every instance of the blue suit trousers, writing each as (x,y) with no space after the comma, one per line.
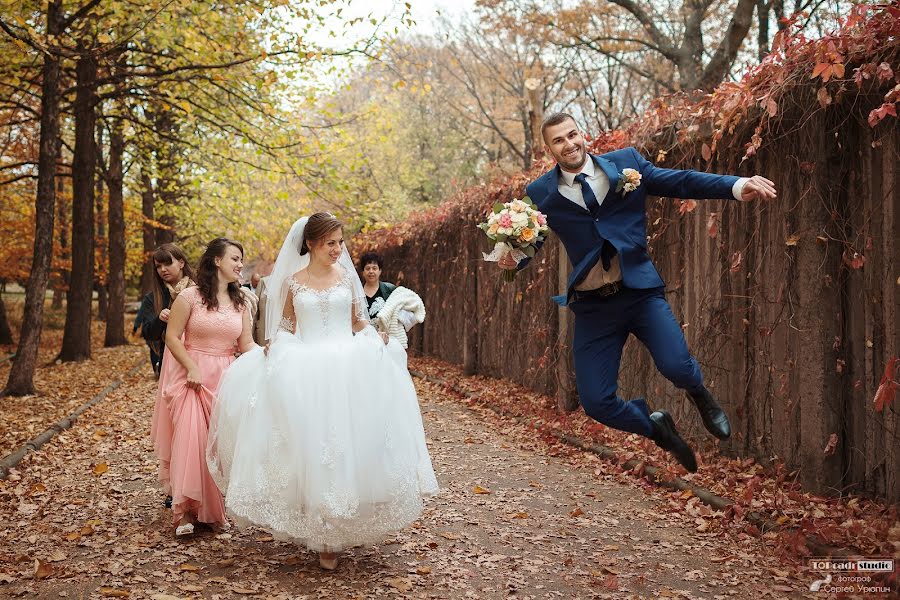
(602,325)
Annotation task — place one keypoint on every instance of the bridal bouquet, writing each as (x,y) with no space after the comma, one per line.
(515,228)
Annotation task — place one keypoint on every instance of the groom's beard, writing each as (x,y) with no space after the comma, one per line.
(575,164)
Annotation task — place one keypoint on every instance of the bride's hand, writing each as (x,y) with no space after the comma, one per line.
(266,347)
(384,337)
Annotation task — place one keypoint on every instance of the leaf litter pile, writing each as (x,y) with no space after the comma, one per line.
(519,516)
(61,387)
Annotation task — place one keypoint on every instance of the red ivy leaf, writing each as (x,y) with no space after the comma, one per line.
(687,206)
(712,224)
(854,260)
(705,152)
(877,114)
(736,259)
(887,389)
(818,70)
(831,445)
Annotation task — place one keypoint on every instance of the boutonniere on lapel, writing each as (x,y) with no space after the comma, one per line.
(629,180)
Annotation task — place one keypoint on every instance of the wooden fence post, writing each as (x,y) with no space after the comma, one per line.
(565,396)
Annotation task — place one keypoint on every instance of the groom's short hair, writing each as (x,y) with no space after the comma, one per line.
(555,119)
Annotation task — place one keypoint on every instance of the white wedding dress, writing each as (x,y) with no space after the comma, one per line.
(321,442)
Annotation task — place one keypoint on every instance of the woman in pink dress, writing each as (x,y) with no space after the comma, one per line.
(208,324)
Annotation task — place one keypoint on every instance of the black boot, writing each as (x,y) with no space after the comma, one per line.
(714,418)
(666,437)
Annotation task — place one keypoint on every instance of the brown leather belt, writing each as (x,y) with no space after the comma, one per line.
(601,292)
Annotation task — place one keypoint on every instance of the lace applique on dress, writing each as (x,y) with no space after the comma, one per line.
(286,325)
(321,296)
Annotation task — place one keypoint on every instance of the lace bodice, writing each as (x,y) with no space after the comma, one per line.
(211,331)
(322,314)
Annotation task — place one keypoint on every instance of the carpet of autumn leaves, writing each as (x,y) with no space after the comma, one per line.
(62,387)
(515,518)
(852,523)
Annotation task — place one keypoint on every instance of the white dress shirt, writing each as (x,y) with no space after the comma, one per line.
(599,182)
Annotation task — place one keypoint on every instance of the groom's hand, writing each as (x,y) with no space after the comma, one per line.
(507,262)
(758,188)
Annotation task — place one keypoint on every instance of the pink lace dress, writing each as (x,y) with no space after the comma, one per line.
(181,418)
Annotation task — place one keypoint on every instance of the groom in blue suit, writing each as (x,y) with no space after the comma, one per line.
(596,205)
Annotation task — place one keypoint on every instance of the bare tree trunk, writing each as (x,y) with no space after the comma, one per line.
(63,212)
(147,198)
(5,332)
(21,376)
(76,343)
(115,320)
(535,94)
(762,19)
(167,180)
(58,295)
(101,272)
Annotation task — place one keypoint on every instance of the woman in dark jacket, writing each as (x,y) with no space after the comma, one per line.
(371,264)
(171,275)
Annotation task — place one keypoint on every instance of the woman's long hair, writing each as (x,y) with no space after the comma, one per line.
(208,275)
(166,254)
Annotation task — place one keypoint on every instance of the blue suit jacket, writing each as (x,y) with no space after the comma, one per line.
(622,217)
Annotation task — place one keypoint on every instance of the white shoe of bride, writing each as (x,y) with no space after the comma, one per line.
(185,529)
(328,560)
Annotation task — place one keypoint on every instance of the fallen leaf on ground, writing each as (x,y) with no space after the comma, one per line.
(400,584)
(42,569)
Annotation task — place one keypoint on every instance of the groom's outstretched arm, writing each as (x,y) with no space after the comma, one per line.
(676,183)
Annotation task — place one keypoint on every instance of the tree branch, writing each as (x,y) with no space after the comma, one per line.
(648,23)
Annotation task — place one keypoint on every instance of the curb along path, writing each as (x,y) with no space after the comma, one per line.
(14,458)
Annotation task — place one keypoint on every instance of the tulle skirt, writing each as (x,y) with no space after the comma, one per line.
(321,443)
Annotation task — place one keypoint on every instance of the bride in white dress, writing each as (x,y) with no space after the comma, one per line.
(318,437)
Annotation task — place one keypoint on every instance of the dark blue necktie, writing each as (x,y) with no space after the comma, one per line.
(590,201)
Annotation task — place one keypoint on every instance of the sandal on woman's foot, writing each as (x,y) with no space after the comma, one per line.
(184,529)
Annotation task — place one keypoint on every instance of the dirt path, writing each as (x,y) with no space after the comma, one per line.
(84,518)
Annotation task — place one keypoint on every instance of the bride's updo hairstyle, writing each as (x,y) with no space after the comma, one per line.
(319,226)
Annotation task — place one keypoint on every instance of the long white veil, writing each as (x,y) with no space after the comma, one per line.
(290,261)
